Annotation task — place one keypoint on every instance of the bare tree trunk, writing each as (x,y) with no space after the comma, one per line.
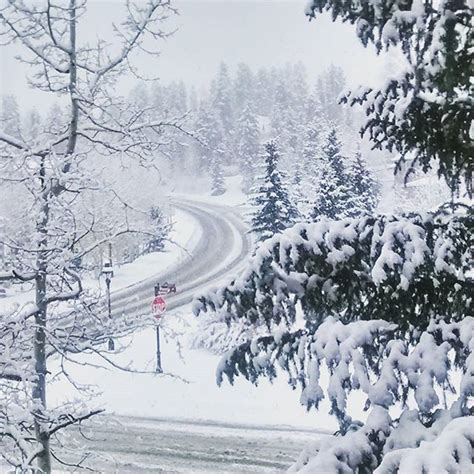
(72,140)
(39,387)
(39,347)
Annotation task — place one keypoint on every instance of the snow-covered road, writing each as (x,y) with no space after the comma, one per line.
(220,252)
(130,445)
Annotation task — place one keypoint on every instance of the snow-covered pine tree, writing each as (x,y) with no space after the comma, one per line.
(313,140)
(297,187)
(160,227)
(248,138)
(10,121)
(217,175)
(363,187)
(299,89)
(314,112)
(386,300)
(55,120)
(330,84)
(282,117)
(244,89)
(222,103)
(387,309)
(209,133)
(32,125)
(273,209)
(221,98)
(264,92)
(333,198)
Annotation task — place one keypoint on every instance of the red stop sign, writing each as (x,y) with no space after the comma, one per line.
(158,306)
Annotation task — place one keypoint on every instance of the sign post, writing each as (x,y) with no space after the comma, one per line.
(158,308)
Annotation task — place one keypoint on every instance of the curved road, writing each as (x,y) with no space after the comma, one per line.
(221,252)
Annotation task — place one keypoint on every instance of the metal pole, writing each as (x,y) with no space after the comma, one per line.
(109,308)
(159,370)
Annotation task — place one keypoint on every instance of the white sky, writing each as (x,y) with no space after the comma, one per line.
(258,32)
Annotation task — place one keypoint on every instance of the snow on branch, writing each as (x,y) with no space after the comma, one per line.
(371,356)
(450,451)
(405,269)
(443,446)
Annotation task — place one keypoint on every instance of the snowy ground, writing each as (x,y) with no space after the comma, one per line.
(189,391)
(176,419)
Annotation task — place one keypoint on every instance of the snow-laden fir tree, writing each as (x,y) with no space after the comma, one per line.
(10,121)
(160,229)
(273,208)
(244,89)
(222,98)
(263,92)
(309,164)
(210,137)
(217,175)
(32,125)
(248,144)
(387,307)
(363,187)
(329,86)
(386,300)
(333,197)
(211,148)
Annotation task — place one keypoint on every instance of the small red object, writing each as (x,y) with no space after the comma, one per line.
(158,306)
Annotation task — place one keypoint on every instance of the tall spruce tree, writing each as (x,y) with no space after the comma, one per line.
(248,137)
(244,88)
(274,210)
(217,175)
(209,133)
(333,193)
(363,187)
(221,98)
(10,116)
(222,102)
(32,125)
(307,167)
(330,84)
